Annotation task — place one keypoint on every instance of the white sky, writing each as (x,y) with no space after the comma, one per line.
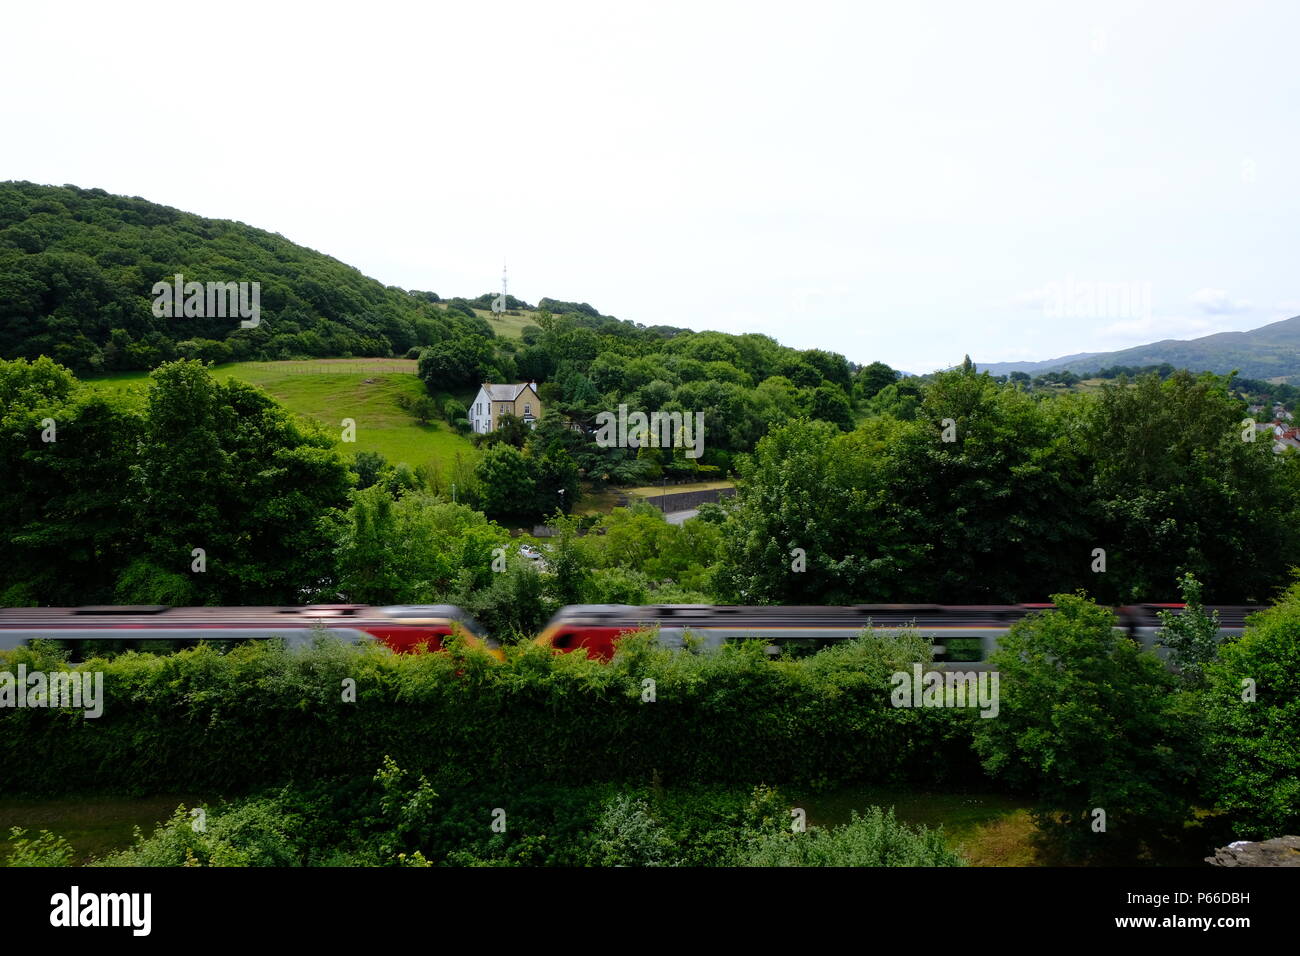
(892,180)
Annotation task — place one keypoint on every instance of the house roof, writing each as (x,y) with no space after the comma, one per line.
(504,393)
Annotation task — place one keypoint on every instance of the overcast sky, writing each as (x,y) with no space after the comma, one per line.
(900,181)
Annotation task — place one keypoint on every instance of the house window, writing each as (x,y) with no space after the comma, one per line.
(528,409)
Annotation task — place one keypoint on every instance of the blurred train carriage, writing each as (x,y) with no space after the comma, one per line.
(401,627)
(958,633)
(965,634)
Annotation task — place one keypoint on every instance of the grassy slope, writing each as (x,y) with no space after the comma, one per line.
(508,326)
(367,395)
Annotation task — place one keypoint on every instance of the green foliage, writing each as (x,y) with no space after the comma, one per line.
(260,716)
(507,481)
(424,409)
(981,493)
(416,549)
(1192,636)
(80,265)
(871,379)
(368,466)
(1254,775)
(512,607)
(627,834)
(871,839)
(45,849)
(115,506)
(1176,490)
(639,540)
(1088,720)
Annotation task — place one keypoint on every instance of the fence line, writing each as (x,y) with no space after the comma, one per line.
(326,368)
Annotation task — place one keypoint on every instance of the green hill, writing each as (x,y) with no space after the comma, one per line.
(1269,352)
(77,269)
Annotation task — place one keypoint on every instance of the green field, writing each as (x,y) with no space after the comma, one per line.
(508,326)
(330,390)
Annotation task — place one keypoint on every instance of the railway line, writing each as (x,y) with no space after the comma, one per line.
(965,634)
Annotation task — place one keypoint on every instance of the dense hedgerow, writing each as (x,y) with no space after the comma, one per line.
(261,716)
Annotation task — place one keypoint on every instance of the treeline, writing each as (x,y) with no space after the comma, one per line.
(211,494)
(986,494)
(742,384)
(989,494)
(77,269)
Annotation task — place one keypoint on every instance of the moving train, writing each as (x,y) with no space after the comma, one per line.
(966,634)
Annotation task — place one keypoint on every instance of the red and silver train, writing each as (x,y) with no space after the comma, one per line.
(965,633)
(402,628)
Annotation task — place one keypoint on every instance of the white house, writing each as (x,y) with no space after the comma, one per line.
(493,401)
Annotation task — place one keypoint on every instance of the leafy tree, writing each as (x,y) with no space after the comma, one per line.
(1252,712)
(223,469)
(1177,490)
(424,409)
(507,481)
(874,377)
(830,405)
(556,482)
(1193,635)
(1088,720)
(570,566)
(368,466)
(416,549)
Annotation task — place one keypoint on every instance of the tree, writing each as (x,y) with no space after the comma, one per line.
(368,467)
(225,470)
(1177,491)
(1193,635)
(872,378)
(830,405)
(456,363)
(507,481)
(416,549)
(425,409)
(511,429)
(556,477)
(65,533)
(804,526)
(1252,712)
(1088,721)
(570,579)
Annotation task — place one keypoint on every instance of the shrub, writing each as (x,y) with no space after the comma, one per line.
(1255,737)
(1088,720)
(627,835)
(871,839)
(46,849)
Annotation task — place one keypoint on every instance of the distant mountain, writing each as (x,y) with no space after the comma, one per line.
(1271,351)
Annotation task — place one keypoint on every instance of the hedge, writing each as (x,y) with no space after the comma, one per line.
(204,721)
